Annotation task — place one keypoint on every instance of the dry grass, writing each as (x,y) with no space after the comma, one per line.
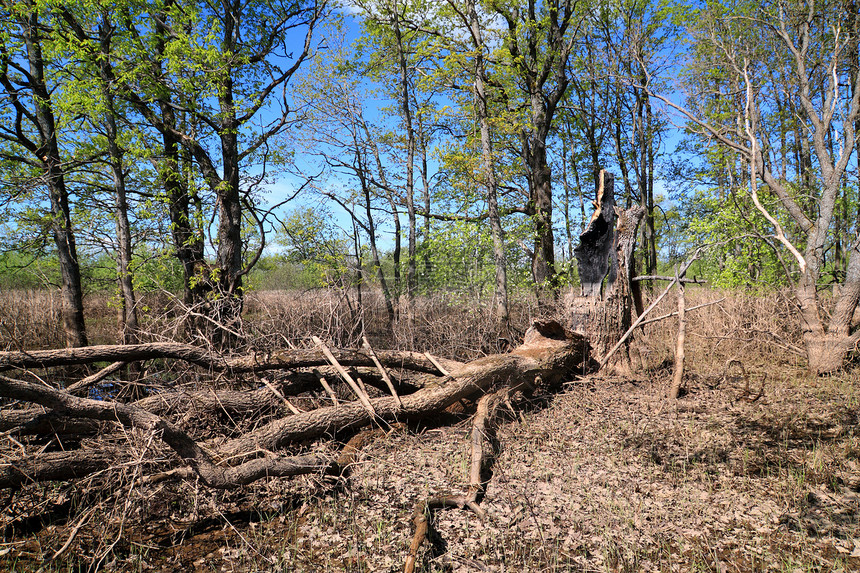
(761,331)
(605,476)
(31,319)
(444,325)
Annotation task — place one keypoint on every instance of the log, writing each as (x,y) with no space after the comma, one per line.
(279,360)
(234,403)
(549,352)
(192,454)
(37,422)
(57,466)
(240,404)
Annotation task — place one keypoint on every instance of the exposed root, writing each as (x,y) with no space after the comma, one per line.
(485,450)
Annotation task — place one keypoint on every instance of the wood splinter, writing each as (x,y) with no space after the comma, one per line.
(283,398)
(437,365)
(382,370)
(326,387)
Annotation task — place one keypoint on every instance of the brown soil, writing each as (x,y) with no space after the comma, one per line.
(604,477)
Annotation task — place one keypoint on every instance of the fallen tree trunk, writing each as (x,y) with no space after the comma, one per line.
(38,422)
(282,359)
(548,355)
(193,404)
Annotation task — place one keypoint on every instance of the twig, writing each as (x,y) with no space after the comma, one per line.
(745,395)
(325,386)
(95,378)
(675,313)
(483,432)
(381,369)
(694,280)
(362,397)
(437,365)
(277,393)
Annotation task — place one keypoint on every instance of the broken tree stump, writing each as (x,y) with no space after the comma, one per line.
(603,311)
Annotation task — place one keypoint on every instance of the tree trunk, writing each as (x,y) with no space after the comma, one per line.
(678,374)
(128,309)
(488,167)
(826,353)
(187,244)
(374,251)
(543,254)
(228,304)
(539,43)
(604,311)
(614,315)
(827,348)
(49,155)
(406,110)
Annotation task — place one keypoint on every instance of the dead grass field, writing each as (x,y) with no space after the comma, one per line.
(604,476)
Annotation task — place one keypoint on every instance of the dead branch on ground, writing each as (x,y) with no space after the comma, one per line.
(548,354)
(279,360)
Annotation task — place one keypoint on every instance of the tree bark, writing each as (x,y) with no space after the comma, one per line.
(678,374)
(406,114)
(187,242)
(614,314)
(57,466)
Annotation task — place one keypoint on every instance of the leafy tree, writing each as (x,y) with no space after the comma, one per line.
(30,137)
(218,66)
(539,40)
(312,240)
(89,93)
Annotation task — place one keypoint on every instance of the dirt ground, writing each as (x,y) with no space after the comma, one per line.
(605,476)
